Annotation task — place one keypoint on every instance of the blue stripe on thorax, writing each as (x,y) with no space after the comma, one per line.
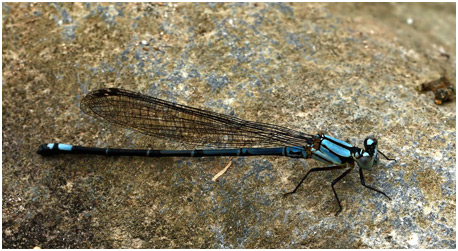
(338,141)
(330,156)
(335,148)
(323,157)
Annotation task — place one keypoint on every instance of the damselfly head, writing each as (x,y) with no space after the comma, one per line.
(368,157)
(370,146)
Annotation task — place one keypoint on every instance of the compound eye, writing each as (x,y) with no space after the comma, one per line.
(366,161)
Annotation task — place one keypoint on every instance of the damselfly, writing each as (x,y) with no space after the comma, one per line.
(234,136)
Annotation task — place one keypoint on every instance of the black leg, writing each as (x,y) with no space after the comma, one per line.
(385,156)
(337,180)
(371,188)
(326,168)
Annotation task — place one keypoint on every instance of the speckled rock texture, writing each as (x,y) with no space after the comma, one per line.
(350,70)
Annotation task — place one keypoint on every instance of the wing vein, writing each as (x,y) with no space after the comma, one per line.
(160,118)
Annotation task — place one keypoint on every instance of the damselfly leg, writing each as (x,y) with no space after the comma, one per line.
(385,156)
(327,168)
(337,180)
(317,169)
(371,188)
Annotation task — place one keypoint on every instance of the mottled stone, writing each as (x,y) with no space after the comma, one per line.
(349,69)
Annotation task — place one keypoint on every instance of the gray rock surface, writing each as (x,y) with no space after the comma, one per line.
(351,70)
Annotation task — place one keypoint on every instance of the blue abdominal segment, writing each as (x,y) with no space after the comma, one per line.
(65,147)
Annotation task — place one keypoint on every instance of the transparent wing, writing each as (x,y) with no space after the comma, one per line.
(160,118)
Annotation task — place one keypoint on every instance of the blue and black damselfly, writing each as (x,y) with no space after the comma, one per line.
(234,136)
